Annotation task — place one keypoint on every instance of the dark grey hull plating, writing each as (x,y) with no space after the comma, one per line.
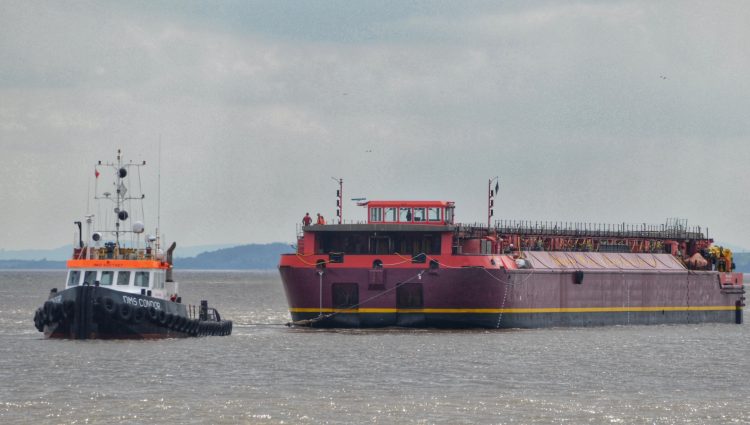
(93,312)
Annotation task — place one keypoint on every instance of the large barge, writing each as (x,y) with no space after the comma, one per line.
(411,265)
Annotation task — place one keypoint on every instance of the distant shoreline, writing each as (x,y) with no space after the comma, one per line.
(242,257)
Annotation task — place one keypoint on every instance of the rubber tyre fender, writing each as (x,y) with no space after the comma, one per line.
(48,306)
(139,314)
(56,312)
(186,326)
(125,312)
(180,324)
(163,317)
(69,309)
(181,320)
(170,318)
(174,321)
(38,320)
(42,315)
(153,314)
(109,306)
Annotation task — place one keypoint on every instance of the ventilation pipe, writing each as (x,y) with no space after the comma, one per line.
(169,261)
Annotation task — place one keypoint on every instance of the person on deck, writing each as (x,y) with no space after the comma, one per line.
(306,220)
(321,220)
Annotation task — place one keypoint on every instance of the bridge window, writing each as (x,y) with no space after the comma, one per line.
(433,214)
(123,278)
(419,214)
(380,245)
(74,277)
(376,214)
(89,277)
(404,215)
(159,280)
(141,279)
(390,214)
(107,277)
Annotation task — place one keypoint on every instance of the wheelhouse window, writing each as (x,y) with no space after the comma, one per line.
(74,277)
(123,278)
(89,276)
(419,214)
(107,278)
(390,214)
(159,280)
(376,214)
(433,214)
(404,215)
(141,279)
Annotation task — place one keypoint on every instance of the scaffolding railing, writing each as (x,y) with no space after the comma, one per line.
(600,230)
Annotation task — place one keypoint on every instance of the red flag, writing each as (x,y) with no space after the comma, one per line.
(96,173)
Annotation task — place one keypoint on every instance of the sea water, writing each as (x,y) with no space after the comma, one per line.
(267,373)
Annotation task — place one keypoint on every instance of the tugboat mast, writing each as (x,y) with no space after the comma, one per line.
(121,214)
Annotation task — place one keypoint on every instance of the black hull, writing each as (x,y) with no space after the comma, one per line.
(94,312)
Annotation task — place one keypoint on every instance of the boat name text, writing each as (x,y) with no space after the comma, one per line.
(140,302)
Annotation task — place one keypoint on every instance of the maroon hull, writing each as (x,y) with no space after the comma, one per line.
(476,297)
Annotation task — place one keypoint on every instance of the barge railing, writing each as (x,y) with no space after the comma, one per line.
(599,230)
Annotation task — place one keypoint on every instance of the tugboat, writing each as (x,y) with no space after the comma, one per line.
(120,290)
(411,265)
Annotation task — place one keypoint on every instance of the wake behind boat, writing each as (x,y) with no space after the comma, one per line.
(115,289)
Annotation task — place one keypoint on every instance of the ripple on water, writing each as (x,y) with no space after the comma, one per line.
(266,373)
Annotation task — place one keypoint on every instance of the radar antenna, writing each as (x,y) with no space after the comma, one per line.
(121,193)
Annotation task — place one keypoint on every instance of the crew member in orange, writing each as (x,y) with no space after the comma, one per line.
(321,220)
(307,220)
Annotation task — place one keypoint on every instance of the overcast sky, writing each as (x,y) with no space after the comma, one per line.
(587,111)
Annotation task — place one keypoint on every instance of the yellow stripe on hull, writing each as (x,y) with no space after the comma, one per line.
(513,310)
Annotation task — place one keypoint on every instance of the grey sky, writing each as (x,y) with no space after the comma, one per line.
(588,111)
